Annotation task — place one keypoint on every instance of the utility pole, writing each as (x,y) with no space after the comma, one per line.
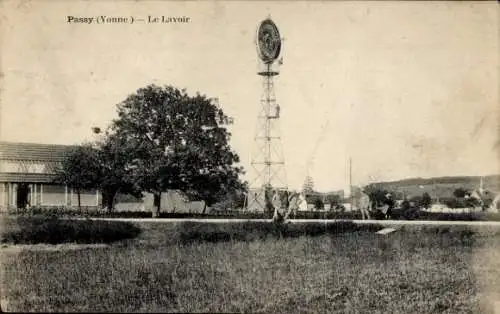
(350,183)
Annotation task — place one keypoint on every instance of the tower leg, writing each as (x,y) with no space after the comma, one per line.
(268,161)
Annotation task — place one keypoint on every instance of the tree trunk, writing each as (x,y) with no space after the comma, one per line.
(157,207)
(78,193)
(110,202)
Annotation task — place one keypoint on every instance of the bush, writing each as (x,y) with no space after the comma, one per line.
(58,211)
(327,215)
(460,192)
(73,212)
(216,215)
(408,213)
(318,204)
(405,212)
(248,231)
(128,214)
(34,230)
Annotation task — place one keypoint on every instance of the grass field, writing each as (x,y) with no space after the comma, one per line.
(203,267)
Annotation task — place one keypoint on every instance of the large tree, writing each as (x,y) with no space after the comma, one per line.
(426,200)
(102,165)
(80,170)
(177,141)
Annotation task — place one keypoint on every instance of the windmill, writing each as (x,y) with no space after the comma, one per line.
(268,161)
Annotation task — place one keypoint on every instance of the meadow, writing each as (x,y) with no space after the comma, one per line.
(257,267)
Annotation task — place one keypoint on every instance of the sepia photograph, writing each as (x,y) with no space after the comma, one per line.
(249,156)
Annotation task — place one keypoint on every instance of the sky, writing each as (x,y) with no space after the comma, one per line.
(404,89)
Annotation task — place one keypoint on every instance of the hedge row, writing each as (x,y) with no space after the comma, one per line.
(398,214)
(189,231)
(51,230)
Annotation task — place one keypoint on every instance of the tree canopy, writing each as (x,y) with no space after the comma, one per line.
(101,166)
(426,200)
(163,139)
(80,170)
(175,141)
(459,192)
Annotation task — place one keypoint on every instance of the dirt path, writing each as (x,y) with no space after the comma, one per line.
(16,248)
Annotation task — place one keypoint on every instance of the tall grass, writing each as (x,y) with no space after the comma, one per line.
(344,270)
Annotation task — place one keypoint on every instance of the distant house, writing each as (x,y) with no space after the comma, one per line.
(27,171)
(437,208)
(490,199)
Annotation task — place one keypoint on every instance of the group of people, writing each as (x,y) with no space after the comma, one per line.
(284,204)
(370,204)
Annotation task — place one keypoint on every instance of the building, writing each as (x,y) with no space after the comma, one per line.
(490,199)
(172,201)
(27,171)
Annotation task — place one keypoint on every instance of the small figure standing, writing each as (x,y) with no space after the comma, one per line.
(390,203)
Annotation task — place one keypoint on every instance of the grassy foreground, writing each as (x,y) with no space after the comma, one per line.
(178,267)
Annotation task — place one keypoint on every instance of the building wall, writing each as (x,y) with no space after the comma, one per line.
(8,197)
(58,195)
(87,198)
(3,196)
(172,202)
(50,195)
(130,207)
(53,195)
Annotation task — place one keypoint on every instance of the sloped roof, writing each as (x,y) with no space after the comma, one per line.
(33,151)
(27,177)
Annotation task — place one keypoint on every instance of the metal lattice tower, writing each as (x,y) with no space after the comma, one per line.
(268,160)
